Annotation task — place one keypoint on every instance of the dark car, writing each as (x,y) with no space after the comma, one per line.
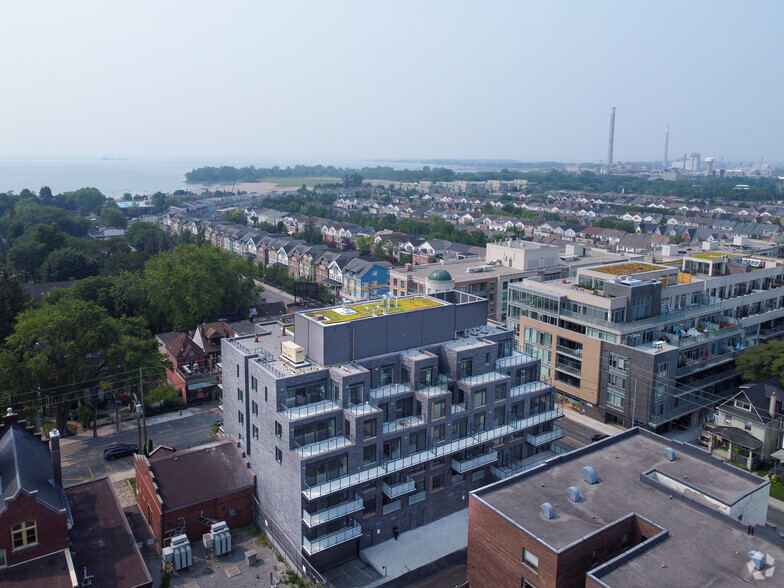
(119,450)
(598,437)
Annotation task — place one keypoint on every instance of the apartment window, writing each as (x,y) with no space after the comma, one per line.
(479,422)
(265,394)
(437,481)
(369,505)
(278,430)
(387,373)
(369,428)
(416,442)
(254,384)
(355,393)
(24,534)
(438,433)
(459,429)
(3,561)
(464,368)
(480,397)
(279,455)
(499,416)
(500,392)
(426,377)
(743,405)
(439,409)
(526,584)
(368,454)
(240,417)
(405,375)
(531,560)
(255,432)
(254,408)
(239,394)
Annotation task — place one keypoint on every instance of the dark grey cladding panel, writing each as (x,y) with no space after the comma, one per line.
(470,314)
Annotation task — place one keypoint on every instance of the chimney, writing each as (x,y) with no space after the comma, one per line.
(10,417)
(772,407)
(54,444)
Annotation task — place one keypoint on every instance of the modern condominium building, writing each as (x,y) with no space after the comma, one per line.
(650,343)
(371,417)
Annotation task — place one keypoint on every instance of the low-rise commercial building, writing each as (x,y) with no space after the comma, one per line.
(631,510)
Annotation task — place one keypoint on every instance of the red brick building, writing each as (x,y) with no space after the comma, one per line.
(192,372)
(635,509)
(185,491)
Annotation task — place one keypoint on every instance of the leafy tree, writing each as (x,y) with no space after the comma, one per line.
(191,283)
(364,245)
(762,362)
(114,217)
(86,200)
(61,348)
(13,300)
(311,233)
(148,237)
(605,223)
(235,216)
(45,194)
(627,226)
(65,264)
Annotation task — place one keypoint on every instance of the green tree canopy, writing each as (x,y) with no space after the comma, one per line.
(63,348)
(762,362)
(193,283)
(13,300)
(148,237)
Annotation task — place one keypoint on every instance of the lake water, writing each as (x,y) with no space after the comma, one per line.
(114,177)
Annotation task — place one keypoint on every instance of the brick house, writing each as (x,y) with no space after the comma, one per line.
(185,491)
(190,367)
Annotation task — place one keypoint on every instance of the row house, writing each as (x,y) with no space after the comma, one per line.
(364,279)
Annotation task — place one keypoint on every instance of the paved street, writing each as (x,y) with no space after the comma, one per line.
(82,455)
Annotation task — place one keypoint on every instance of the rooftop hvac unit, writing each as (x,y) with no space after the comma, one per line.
(589,474)
(670,453)
(757,559)
(168,555)
(221,538)
(183,556)
(207,540)
(547,510)
(574,493)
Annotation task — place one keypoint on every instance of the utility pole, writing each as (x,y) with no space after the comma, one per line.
(144,417)
(116,413)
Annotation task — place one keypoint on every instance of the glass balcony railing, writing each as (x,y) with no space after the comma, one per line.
(330,514)
(313,546)
(528,388)
(483,378)
(515,359)
(319,447)
(388,391)
(461,466)
(400,488)
(403,424)
(417,497)
(544,438)
(308,410)
(391,507)
(577,353)
(512,468)
(438,389)
(703,364)
(396,465)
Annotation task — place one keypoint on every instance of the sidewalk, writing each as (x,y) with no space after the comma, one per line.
(587,421)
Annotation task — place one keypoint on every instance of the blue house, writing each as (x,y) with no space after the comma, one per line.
(364,279)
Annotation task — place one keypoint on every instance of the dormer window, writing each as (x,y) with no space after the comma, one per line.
(742,405)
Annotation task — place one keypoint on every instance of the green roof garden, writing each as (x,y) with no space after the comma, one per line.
(627,269)
(712,255)
(360,310)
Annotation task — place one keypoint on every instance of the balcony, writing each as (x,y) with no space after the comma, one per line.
(528,388)
(417,497)
(308,410)
(313,546)
(709,336)
(483,378)
(702,364)
(515,467)
(388,391)
(306,451)
(437,390)
(568,369)
(576,353)
(391,507)
(399,489)
(415,459)
(461,466)
(403,424)
(330,514)
(544,438)
(513,360)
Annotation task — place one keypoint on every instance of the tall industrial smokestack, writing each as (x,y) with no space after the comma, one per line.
(612,135)
(666,146)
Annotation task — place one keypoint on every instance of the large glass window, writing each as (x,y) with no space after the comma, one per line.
(315,432)
(426,377)
(417,442)
(480,397)
(368,454)
(392,449)
(355,393)
(24,534)
(464,368)
(307,394)
(438,433)
(369,428)
(387,373)
(326,471)
(439,409)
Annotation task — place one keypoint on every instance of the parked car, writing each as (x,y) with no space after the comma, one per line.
(119,450)
(598,437)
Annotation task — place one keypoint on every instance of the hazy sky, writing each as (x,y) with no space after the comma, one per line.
(331,81)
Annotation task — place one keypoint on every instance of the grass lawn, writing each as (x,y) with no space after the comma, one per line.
(365,309)
(132,482)
(49,425)
(777,491)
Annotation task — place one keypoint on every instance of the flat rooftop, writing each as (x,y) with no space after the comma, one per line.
(369,309)
(459,270)
(628,269)
(700,550)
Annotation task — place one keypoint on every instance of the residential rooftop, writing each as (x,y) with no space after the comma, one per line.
(685,497)
(627,269)
(370,309)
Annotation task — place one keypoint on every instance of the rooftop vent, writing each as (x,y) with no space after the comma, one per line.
(670,453)
(757,559)
(548,511)
(590,474)
(574,493)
